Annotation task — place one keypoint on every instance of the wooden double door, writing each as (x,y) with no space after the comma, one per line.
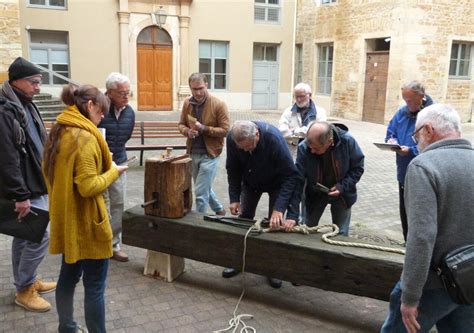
(155,68)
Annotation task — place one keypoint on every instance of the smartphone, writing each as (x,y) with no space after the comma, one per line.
(131,159)
(322,188)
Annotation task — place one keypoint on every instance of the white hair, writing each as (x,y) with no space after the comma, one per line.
(303,86)
(115,78)
(415,86)
(444,118)
(243,129)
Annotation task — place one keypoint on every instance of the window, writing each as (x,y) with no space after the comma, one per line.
(213,63)
(48,3)
(298,64)
(267,11)
(325,68)
(263,52)
(325,2)
(461,55)
(50,49)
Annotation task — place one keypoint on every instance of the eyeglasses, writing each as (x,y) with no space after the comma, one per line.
(301,96)
(35,82)
(414,136)
(123,93)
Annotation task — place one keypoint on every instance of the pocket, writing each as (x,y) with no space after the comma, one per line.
(101,226)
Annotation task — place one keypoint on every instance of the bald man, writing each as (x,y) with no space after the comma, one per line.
(331,157)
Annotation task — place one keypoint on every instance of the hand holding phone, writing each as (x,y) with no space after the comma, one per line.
(131,159)
(322,188)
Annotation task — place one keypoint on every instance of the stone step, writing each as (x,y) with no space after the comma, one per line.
(42,96)
(50,112)
(51,101)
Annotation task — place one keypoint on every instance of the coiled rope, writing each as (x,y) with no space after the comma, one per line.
(237,320)
(334,231)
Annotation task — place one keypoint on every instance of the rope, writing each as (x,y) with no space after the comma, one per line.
(237,320)
(334,231)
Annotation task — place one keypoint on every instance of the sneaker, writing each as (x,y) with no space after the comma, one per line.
(221,213)
(31,300)
(120,256)
(44,287)
(275,283)
(229,272)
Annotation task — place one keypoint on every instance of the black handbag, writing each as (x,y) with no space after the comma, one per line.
(456,271)
(32,227)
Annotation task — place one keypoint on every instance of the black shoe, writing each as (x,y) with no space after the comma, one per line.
(296,284)
(229,272)
(275,283)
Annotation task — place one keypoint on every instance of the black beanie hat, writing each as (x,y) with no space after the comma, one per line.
(21,68)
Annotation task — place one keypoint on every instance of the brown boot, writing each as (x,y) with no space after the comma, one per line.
(31,300)
(120,256)
(44,287)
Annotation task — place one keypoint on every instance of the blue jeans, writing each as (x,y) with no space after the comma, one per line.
(435,308)
(94,275)
(204,172)
(26,255)
(315,205)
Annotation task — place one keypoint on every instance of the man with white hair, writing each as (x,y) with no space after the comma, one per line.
(439,192)
(399,131)
(294,121)
(118,124)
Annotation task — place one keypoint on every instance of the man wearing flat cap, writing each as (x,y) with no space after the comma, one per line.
(22,134)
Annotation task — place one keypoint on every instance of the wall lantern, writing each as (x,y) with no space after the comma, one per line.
(159,17)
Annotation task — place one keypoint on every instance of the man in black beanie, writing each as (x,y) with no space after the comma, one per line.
(23,135)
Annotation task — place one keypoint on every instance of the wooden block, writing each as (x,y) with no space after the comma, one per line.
(163,266)
(169,182)
(303,259)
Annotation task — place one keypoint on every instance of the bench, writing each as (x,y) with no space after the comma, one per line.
(155,130)
(302,259)
(145,130)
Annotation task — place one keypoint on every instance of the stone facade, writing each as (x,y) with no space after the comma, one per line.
(10,42)
(421,34)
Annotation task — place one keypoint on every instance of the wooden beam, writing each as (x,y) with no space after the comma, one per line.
(303,259)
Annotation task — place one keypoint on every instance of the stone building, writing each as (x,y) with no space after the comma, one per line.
(10,42)
(357,53)
(245,47)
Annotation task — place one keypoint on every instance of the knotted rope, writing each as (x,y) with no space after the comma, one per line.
(333,230)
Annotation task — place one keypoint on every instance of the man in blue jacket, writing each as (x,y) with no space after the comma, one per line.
(259,161)
(400,130)
(331,157)
(118,124)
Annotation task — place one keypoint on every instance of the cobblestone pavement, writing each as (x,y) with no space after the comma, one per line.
(200,300)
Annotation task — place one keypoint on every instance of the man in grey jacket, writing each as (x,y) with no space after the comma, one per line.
(439,192)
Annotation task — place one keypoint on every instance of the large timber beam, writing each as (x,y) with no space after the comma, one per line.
(303,259)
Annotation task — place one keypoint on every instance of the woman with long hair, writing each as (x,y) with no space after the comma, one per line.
(78,168)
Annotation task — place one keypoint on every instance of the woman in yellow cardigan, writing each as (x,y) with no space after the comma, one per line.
(78,168)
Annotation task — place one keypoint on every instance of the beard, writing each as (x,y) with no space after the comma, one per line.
(302,105)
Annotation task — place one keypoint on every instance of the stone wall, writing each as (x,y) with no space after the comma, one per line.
(10,43)
(421,34)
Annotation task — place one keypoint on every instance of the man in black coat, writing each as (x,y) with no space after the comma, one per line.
(22,137)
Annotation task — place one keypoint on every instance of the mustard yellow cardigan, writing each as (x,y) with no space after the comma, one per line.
(80,227)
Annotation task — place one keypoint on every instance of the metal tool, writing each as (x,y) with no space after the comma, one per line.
(238,222)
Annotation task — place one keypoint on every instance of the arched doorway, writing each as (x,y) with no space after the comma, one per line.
(155,68)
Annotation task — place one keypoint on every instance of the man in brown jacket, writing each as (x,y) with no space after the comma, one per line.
(205,122)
